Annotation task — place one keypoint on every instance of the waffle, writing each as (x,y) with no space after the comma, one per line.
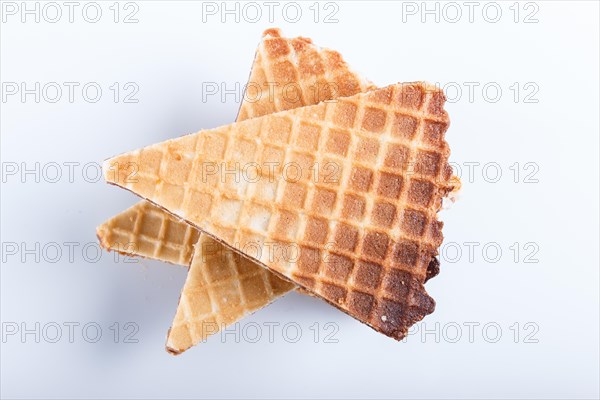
(146,230)
(292,73)
(286,73)
(213,298)
(357,226)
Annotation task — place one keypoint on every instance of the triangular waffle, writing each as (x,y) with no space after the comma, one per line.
(221,288)
(286,73)
(361,215)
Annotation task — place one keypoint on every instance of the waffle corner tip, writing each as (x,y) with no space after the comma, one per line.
(172,351)
(101,234)
(171,345)
(272,32)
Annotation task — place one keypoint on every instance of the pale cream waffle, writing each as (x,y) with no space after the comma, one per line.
(360,218)
(146,230)
(221,288)
(284,70)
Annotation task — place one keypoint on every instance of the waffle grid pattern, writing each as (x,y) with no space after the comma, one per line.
(278,61)
(146,230)
(320,74)
(216,296)
(291,73)
(372,271)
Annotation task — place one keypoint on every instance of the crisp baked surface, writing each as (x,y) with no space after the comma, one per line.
(146,230)
(221,288)
(291,73)
(286,73)
(365,230)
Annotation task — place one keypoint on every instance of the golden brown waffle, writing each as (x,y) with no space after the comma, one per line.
(286,73)
(221,288)
(362,233)
(292,73)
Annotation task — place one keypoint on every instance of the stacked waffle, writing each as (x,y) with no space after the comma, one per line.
(326,183)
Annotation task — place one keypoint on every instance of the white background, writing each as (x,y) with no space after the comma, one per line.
(169,53)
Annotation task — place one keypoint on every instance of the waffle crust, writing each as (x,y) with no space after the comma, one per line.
(364,234)
(221,288)
(286,74)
